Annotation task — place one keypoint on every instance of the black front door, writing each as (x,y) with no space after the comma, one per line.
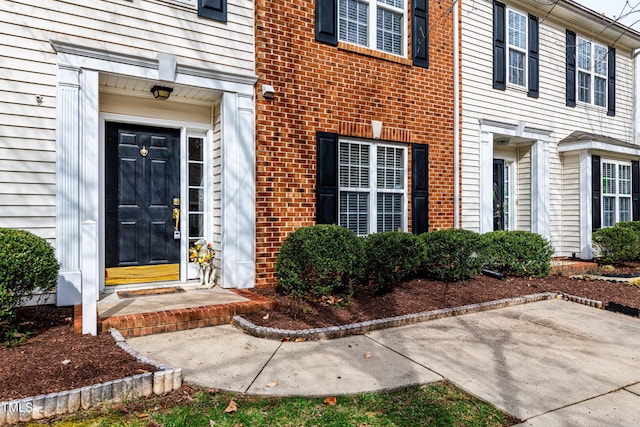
(498,194)
(142,180)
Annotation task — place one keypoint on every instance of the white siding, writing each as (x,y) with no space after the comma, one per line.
(571,203)
(143,28)
(548,113)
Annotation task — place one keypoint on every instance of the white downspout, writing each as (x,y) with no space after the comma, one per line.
(456,116)
(636,98)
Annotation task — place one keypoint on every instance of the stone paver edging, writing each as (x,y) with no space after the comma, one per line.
(333,332)
(164,380)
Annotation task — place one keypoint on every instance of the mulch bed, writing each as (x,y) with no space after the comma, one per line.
(36,367)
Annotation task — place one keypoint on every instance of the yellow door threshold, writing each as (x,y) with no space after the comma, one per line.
(142,274)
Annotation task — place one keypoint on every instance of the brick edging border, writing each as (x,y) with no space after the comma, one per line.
(164,380)
(333,332)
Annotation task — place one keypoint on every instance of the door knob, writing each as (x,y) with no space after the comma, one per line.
(176,216)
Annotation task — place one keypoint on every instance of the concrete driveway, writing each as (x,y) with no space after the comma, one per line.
(549,363)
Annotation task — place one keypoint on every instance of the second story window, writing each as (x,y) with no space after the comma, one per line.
(517,41)
(592,72)
(376,24)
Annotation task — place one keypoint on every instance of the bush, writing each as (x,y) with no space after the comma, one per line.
(632,225)
(616,245)
(389,257)
(519,253)
(27,263)
(451,255)
(318,261)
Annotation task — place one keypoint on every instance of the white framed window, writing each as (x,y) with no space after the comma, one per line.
(376,24)
(616,192)
(517,47)
(372,187)
(592,72)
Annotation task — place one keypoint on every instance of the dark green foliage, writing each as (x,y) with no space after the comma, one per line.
(451,255)
(519,253)
(615,245)
(318,261)
(632,225)
(27,263)
(389,258)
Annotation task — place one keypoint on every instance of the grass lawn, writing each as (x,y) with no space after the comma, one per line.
(438,404)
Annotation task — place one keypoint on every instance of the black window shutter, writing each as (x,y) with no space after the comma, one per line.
(611,82)
(571,68)
(420,32)
(420,188)
(213,9)
(534,57)
(499,47)
(327,178)
(596,221)
(327,21)
(635,190)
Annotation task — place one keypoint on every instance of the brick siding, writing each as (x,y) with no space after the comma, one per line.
(341,89)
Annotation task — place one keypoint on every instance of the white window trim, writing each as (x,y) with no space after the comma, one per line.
(189,3)
(373,187)
(511,46)
(592,73)
(372,26)
(617,195)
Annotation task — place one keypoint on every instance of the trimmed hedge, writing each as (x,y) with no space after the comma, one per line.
(517,252)
(319,260)
(27,263)
(451,255)
(615,245)
(389,257)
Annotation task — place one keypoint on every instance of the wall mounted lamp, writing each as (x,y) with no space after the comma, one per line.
(161,92)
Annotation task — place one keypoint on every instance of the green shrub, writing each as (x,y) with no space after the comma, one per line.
(451,255)
(318,261)
(27,263)
(388,258)
(519,253)
(632,225)
(615,245)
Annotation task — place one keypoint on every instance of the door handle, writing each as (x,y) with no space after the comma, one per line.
(176,216)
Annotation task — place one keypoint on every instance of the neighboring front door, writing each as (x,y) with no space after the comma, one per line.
(498,194)
(142,187)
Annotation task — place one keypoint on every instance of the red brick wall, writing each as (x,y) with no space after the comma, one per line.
(341,89)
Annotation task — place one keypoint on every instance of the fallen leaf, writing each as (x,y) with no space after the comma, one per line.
(233,407)
(66,362)
(143,415)
(212,423)
(299,339)
(266,316)
(272,384)
(367,355)
(331,401)
(285,339)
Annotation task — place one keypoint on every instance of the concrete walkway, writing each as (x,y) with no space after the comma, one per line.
(549,363)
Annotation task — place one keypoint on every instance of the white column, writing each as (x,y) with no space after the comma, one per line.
(68,227)
(486,182)
(540,188)
(586,221)
(238,191)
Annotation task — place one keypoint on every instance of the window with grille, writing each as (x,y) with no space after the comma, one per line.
(592,72)
(616,192)
(517,41)
(377,24)
(372,193)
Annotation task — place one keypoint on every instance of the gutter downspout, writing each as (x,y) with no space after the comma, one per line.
(636,97)
(456,115)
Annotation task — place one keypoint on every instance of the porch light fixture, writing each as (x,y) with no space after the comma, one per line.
(502,141)
(161,92)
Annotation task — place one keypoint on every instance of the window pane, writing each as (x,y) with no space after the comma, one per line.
(624,179)
(584,55)
(354,165)
(600,91)
(600,60)
(196,225)
(196,199)
(608,211)
(389,212)
(390,168)
(394,3)
(516,67)
(389,32)
(608,178)
(584,87)
(195,174)
(517,30)
(195,149)
(354,212)
(353,22)
(625,209)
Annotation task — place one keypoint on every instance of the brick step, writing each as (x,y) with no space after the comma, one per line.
(179,319)
(571,267)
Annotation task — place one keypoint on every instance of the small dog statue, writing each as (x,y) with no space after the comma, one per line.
(203,254)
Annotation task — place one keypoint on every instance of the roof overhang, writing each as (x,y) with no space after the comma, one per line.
(592,142)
